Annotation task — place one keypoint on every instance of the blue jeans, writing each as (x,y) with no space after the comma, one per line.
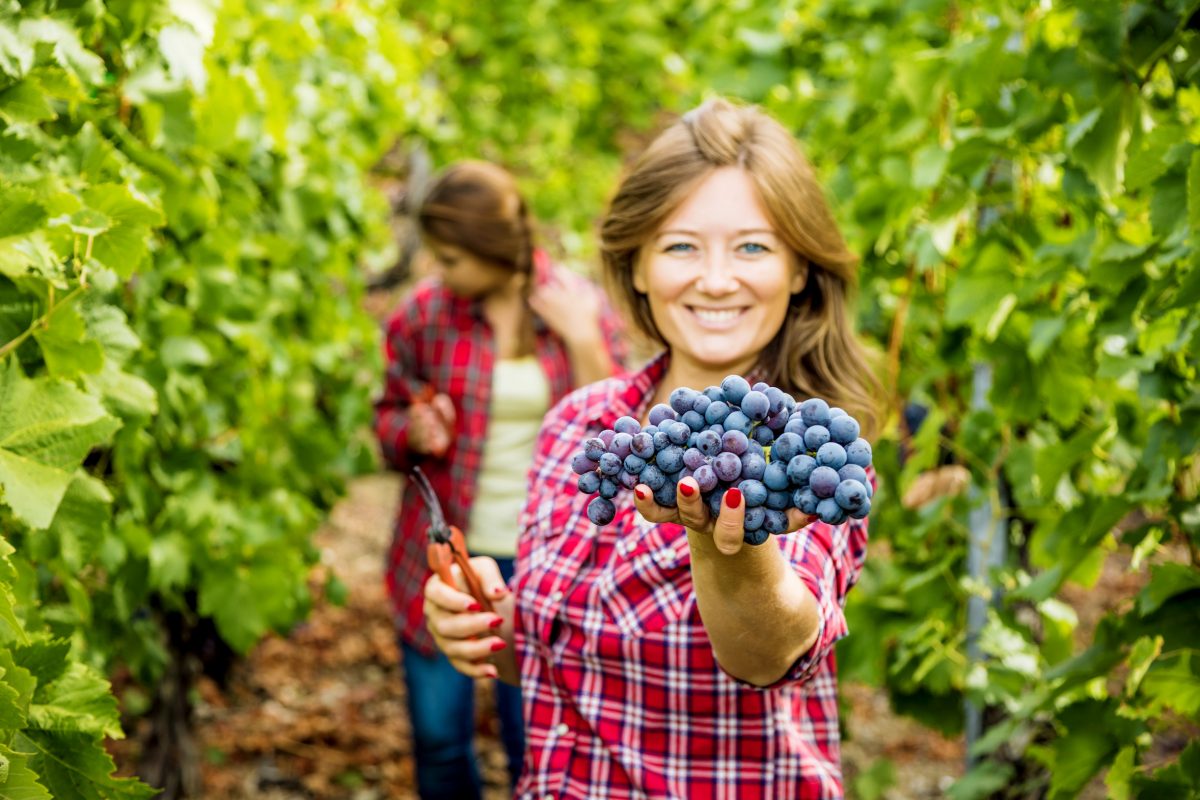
(441,704)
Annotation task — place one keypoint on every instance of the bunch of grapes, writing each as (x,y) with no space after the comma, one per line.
(780,454)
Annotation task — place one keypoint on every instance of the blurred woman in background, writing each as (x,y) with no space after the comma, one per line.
(476,355)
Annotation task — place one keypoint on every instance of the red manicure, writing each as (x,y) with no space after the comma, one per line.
(474,607)
(498,646)
(687,490)
(733,498)
(641,493)
(496,623)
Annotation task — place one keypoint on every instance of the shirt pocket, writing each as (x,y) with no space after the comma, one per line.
(647,584)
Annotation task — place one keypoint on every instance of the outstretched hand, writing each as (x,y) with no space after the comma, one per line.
(692,512)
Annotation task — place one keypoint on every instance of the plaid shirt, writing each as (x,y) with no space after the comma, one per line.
(623,696)
(438,339)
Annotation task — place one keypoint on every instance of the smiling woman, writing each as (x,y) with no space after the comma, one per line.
(720,244)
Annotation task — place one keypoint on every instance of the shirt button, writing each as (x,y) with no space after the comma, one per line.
(563,729)
(548,797)
(556,596)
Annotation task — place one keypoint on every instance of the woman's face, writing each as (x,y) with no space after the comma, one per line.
(717,277)
(464,273)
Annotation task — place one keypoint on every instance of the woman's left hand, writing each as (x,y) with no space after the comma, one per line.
(569,306)
(693,513)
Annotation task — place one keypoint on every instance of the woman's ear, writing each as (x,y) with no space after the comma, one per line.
(640,284)
(799,275)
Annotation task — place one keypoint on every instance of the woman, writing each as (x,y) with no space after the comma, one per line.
(476,355)
(658,656)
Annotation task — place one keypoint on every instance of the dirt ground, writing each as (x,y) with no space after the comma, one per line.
(321,714)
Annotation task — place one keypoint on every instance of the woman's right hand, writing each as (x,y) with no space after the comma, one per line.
(478,643)
(431,426)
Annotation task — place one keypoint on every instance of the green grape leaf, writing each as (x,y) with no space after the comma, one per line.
(47,426)
(1166,581)
(66,347)
(80,701)
(1098,141)
(19,781)
(1173,683)
(76,765)
(25,103)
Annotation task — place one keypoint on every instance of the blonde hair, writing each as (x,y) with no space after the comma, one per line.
(477,206)
(815,353)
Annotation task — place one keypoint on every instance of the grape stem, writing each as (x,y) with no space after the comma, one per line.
(41,322)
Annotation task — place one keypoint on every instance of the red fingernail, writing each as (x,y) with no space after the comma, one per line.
(641,493)
(474,607)
(687,490)
(733,498)
(496,623)
(498,646)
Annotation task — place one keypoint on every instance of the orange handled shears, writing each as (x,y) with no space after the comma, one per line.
(447,545)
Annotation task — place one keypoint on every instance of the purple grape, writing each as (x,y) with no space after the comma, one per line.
(777,422)
(681,399)
(795,425)
(582,465)
(843,429)
(831,454)
(776,522)
(609,488)
(694,420)
(853,472)
(763,435)
(653,477)
(761,386)
(716,412)
(620,446)
(823,481)
(862,511)
(753,492)
(705,477)
(815,436)
(850,495)
(714,393)
(628,425)
(727,466)
(691,442)
(859,452)
(701,403)
(805,500)
(678,433)
(610,464)
(754,518)
(661,440)
(708,443)
(693,458)
(595,447)
(755,538)
(715,500)
(666,495)
(633,464)
(642,445)
(589,483)
(836,412)
(627,479)
(776,476)
(686,472)
(734,442)
(735,388)
(670,459)
(815,411)
(779,501)
(737,421)
(649,429)
(601,511)
(660,413)
(830,512)
(754,466)
(800,468)
(718,429)
(756,406)
(787,446)
(606,437)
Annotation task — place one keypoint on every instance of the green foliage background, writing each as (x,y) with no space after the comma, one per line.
(184,368)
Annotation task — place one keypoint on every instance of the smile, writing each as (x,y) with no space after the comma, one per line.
(717,318)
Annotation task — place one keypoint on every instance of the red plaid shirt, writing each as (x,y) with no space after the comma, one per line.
(623,697)
(438,339)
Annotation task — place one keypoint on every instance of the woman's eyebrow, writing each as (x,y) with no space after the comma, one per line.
(690,232)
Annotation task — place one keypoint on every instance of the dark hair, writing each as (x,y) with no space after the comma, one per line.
(477,206)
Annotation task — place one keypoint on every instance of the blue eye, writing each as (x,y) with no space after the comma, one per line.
(679,247)
(753,248)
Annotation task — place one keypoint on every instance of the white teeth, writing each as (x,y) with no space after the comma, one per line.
(722,315)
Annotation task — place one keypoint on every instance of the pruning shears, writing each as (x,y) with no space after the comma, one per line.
(447,545)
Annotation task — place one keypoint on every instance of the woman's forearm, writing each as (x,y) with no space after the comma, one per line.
(759,615)
(590,361)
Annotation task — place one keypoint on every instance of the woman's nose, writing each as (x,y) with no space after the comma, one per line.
(717,276)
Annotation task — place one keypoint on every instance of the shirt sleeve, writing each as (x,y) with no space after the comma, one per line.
(391,407)
(616,338)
